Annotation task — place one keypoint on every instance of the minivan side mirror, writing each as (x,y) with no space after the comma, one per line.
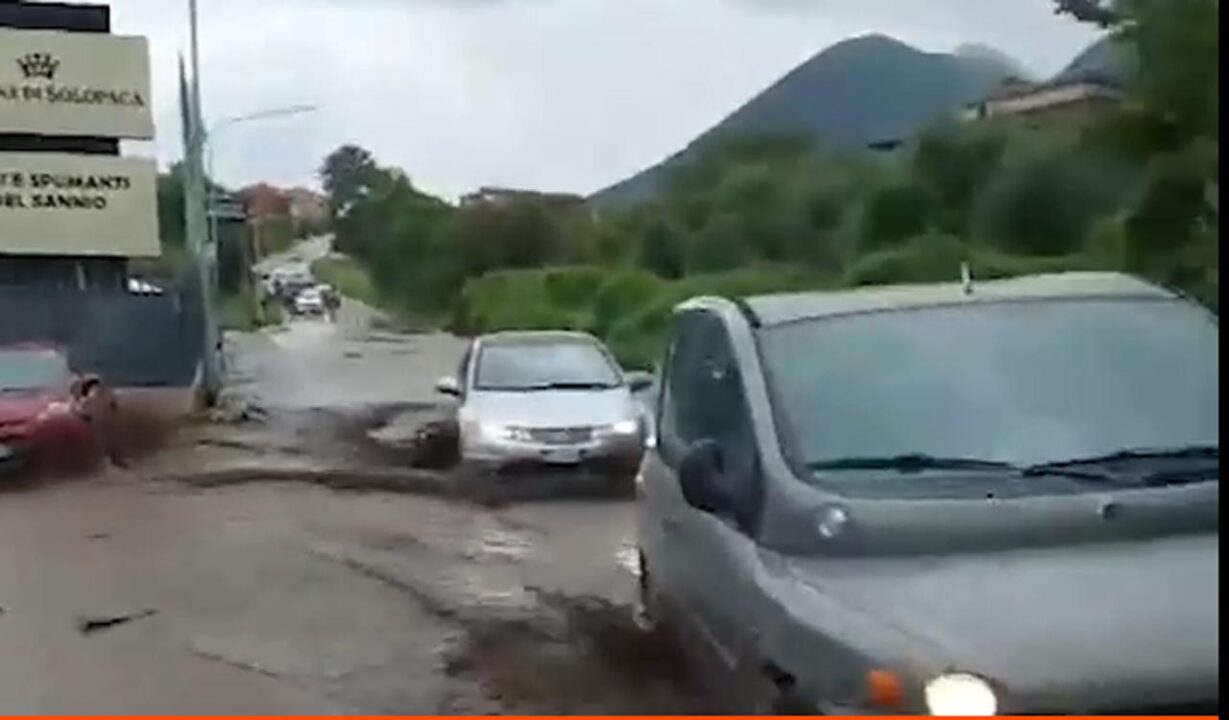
(700,477)
(638,381)
(448,385)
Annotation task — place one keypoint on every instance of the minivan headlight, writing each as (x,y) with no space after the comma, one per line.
(960,695)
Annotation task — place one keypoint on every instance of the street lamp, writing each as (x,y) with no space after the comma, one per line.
(210,142)
(211,145)
(250,117)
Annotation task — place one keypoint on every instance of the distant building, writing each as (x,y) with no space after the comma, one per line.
(499,196)
(264,200)
(308,207)
(1068,102)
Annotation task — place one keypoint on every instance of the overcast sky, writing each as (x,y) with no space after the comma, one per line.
(549,94)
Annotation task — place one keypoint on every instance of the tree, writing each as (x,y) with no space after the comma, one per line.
(1172,234)
(1177,49)
(1178,44)
(754,198)
(171,225)
(345,173)
(1047,202)
(953,163)
(892,215)
(719,246)
(1099,12)
(1172,127)
(663,249)
(359,193)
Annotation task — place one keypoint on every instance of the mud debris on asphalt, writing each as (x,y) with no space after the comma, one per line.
(400,447)
(91,625)
(543,652)
(574,656)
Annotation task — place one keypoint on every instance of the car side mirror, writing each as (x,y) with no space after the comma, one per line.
(638,381)
(448,386)
(700,475)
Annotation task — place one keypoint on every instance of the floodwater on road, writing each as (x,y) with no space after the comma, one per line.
(273,595)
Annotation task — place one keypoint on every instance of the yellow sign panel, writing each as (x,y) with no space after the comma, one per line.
(61,83)
(98,205)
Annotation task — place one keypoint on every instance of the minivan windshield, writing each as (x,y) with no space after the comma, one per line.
(1019,383)
(541,365)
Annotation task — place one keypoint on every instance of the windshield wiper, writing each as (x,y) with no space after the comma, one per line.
(915,462)
(918,462)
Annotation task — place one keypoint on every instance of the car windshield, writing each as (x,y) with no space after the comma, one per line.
(1015,383)
(30,370)
(530,365)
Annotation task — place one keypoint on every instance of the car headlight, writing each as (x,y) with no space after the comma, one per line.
(960,695)
(625,427)
(483,431)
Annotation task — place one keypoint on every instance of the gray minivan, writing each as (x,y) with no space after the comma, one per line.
(965,499)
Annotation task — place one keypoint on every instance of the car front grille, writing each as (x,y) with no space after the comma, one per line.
(561,436)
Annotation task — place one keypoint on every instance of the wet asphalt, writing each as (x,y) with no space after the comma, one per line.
(274,596)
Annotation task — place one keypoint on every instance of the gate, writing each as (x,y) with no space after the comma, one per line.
(131,340)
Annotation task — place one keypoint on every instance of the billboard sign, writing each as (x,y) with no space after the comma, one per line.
(98,205)
(84,84)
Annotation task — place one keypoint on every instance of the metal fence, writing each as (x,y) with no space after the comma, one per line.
(130,339)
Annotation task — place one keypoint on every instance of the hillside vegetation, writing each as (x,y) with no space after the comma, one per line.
(762,212)
(865,90)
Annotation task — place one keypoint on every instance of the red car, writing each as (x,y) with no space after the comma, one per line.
(51,418)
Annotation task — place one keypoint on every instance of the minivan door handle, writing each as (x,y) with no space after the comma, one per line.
(671,524)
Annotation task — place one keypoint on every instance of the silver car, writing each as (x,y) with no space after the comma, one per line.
(956,500)
(555,398)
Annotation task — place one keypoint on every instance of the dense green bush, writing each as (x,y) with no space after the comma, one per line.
(621,295)
(629,309)
(663,249)
(720,245)
(893,215)
(1047,202)
(926,258)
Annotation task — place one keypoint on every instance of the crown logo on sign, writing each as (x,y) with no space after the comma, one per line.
(38,65)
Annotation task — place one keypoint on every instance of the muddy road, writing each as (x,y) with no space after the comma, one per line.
(285,556)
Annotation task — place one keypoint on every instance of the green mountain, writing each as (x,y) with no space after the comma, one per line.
(978,51)
(856,93)
(1105,61)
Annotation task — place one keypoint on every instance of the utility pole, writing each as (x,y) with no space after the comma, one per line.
(196,220)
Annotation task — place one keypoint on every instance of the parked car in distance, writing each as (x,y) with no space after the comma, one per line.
(50,418)
(557,398)
(309,302)
(999,498)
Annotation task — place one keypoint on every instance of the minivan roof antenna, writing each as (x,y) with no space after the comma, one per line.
(966,278)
